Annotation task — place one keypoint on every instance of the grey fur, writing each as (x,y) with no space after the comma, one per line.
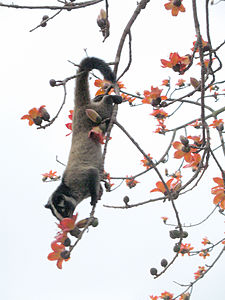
(83,172)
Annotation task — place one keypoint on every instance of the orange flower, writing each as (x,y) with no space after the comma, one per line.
(104,84)
(177,63)
(206,62)
(164,219)
(166,296)
(180,82)
(219,191)
(183,151)
(68,224)
(196,124)
(185,248)
(32,115)
(197,139)
(166,82)
(175,6)
(154,297)
(216,123)
(131,182)
(205,46)
(196,158)
(161,127)
(159,114)
(128,98)
(205,241)
(200,272)
(146,163)
(51,175)
(153,97)
(56,254)
(204,253)
(160,187)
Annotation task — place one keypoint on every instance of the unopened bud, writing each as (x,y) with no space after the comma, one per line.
(184,140)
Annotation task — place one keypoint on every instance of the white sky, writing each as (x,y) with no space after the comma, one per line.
(113,260)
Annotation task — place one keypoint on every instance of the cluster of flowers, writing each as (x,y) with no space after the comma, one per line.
(62,240)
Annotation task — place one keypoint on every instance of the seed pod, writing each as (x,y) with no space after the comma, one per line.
(156,101)
(45,17)
(37,121)
(94,223)
(185,234)
(177,3)
(52,82)
(153,271)
(194,82)
(93,115)
(126,200)
(176,248)
(75,232)
(174,234)
(186,149)
(65,254)
(184,140)
(82,223)
(67,242)
(44,114)
(164,262)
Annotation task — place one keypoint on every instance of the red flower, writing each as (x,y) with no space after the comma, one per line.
(96,135)
(175,6)
(128,98)
(68,224)
(205,46)
(217,123)
(196,124)
(69,125)
(153,96)
(204,253)
(180,82)
(104,84)
(146,163)
(205,241)
(177,63)
(166,296)
(159,114)
(161,127)
(56,254)
(185,248)
(166,82)
(200,272)
(131,182)
(50,175)
(206,62)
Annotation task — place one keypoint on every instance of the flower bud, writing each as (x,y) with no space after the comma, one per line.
(184,140)
(37,121)
(153,271)
(164,262)
(65,254)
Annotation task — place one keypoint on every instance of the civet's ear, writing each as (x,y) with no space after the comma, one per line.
(47,205)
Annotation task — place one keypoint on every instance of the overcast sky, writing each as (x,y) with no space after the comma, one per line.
(112,261)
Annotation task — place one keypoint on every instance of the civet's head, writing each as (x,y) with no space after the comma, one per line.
(61,203)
